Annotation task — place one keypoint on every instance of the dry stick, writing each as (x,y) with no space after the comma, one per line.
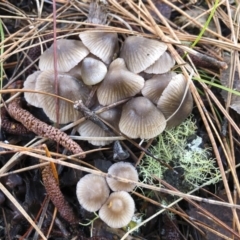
(203,60)
(21,209)
(200,105)
(42,129)
(62,158)
(97,172)
(55,62)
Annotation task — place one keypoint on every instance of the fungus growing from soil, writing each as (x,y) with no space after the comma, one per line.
(69,52)
(69,87)
(30,84)
(123,170)
(93,71)
(162,65)
(172,102)
(92,192)
(141,119)
(91,129)
(118,210)
(119,83)
(139,53)
(154,86)
(102,44)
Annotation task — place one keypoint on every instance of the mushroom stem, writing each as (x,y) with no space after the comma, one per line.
(119,153)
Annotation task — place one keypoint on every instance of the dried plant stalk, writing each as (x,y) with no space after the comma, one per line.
(12,127)
(42,129)
(56,196)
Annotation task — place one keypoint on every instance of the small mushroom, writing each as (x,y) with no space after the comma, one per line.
(76,71)
(93,71)
(162,65)
(119,83)
(30,84)
(141,119)
(102,44)
(68,87)
(123,170)
(172,104)
(92,192)
(69,54)
(154,87)
(139,53)
(91,129)
(118,210)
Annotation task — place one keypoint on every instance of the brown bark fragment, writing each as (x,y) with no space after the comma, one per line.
(56,196)
(40,128)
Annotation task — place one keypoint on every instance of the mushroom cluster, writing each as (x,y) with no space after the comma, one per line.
(140,70)
(116,209)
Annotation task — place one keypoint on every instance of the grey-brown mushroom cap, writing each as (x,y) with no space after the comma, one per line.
(118,210)
(139,53)
(92,192)
(171,99)
(76,71)
(141,119)
(123,170)
(90,129)
(154,87)
(30,84)
(162,65)
(102,44)
(68,87)
(69,54)
(119,83)
(93,71)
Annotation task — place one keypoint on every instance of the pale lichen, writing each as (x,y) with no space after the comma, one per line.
(194,164)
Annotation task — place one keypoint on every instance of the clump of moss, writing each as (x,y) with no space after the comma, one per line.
(194,164)
(149,168)
(198,166)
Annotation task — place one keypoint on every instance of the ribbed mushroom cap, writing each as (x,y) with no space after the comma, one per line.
(68,87)
(139,53)
(93,71)
(119,83)
(76,71)
(154,87)
(141,119)
(171,99)
(123,170)
(92,192)
(102,44)
(118,210)
(162,65)
(30,84)
(90,129)
(69,54)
